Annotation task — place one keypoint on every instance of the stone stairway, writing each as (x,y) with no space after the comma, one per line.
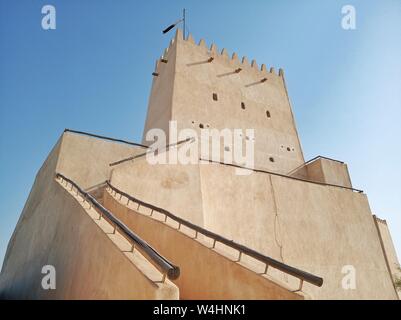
(208,269)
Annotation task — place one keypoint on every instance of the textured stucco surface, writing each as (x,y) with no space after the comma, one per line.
(204,273)
(55,229)
(184,88)
(316,228)
(389,250)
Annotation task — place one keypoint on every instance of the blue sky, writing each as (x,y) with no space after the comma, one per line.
(93,73)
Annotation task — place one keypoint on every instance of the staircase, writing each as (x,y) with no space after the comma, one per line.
(210,266)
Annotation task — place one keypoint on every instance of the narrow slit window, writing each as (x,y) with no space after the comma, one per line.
(242,105)
(215,98)
(268,114)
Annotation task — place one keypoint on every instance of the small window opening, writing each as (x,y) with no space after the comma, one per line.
(242,105)
(268,114)
(201,125)
(215,97)
(271,159)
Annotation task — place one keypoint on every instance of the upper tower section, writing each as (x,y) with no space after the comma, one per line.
(202,87)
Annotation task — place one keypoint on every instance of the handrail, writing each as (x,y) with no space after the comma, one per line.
(167,267)
(149,151)
(281,175)
(301,275)
(106,138)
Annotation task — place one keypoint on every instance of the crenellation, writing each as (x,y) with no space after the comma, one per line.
(202,43)
(213,49)
(190,39)
(224,53)
(245,62)
(234,58)
(254,64)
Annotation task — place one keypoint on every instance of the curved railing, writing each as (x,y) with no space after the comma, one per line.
(167,268)
(269,262)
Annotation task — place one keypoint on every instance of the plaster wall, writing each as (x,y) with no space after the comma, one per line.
(389,250)
(325,171)
(319,229)
(204,273)
(242,100)
(173,187)
(85,159)
(53,228)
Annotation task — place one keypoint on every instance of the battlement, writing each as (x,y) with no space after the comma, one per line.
(213,51)
(200,86)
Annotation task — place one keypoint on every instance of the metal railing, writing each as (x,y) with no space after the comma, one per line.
(150,150)
(106,138)
(167,268)
(269,262)
(282,175)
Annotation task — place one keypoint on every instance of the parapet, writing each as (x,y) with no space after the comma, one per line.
(242,64)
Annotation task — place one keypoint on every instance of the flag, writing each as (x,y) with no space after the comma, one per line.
(171,26)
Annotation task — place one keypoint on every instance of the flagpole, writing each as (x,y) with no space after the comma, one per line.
(183,19)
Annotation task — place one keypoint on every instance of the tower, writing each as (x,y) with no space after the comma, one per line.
(201,87)
(97,201)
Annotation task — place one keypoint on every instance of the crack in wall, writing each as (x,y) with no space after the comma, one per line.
(277,233)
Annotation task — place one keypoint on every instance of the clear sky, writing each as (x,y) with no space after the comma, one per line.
(93,73)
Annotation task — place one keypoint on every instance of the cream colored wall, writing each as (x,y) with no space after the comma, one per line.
(315,228)
(86,159)
(172,187)
(54,229)
(389,250)
(204,273)
(325,171)
(161,94)
(194,82)
(336,173)
(41,187)
(55,235)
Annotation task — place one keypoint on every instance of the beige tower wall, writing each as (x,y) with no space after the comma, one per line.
(389,250)
(193,83)
(161,95)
